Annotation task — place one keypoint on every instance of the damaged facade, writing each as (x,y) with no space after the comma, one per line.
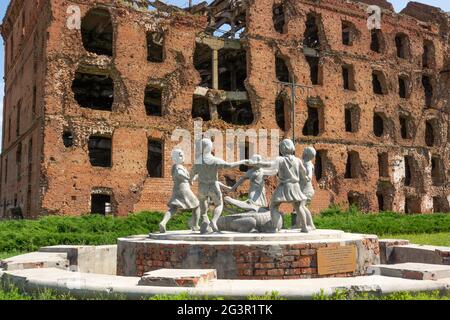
(89,112)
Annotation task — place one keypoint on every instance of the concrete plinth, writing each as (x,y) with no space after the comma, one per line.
(286,255)
(178,278)
(416,271)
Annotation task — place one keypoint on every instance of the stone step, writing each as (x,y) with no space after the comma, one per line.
(420,254)
(36,260)
(88,259)
(178,277)
(414,271)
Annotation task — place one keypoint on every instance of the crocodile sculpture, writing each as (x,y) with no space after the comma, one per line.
(247,222)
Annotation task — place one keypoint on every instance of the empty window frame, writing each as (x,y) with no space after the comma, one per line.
(244,153)
(67,139)
(93,91)
(280,112)
(236,112)
(311,37)
(352,118)
(437,171)
(353,166)
(155,159)
(200,108)
(232,70)
(403,87)
(314,123)
(428,56)
(18,118)
(406,127)
(155,47)
(320,164)
(428,91)
(376,41)
(282,70)
(19,161)
(203,64)
(379,83)
(383,165)
(314,70)
(278,17)
(431,132)
(402,45)
(100,151)
(381,201)
(348,77)
(100,203)
(378,124)
(348,33)
(97,32)
(409,166)
(153,101)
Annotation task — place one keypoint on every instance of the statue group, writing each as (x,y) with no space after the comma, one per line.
(255,214)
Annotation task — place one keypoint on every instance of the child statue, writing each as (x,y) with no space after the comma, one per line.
(257,194)
(290,171)
(207,170)
(182,196)
(307,187)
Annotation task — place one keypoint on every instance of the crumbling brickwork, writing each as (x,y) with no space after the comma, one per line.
(89,111)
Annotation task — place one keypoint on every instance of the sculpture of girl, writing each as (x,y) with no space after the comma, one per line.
(182,196)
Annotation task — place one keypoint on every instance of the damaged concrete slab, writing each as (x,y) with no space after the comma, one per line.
(415,271)
(36,260)
(178,277)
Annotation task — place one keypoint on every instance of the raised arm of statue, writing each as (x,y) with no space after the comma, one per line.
(270,172)
(232,165)
(239,182)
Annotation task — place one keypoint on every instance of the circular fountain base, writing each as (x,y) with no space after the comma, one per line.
(289,254)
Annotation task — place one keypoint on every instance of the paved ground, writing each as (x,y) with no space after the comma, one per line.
(84,284)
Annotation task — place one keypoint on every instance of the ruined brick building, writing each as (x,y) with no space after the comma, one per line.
(89,112)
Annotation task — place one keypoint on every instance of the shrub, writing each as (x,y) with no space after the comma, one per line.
(30,235)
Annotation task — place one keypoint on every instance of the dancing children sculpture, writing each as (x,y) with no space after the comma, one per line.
(206,170)
(182,196)
(290,171)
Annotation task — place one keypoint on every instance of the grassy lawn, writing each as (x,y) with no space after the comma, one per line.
(27,236)
(13,293)
(435,239)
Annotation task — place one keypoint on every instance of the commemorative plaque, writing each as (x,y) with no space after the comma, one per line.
(336,260)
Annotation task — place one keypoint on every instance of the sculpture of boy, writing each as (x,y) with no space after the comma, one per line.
(182,196)
(290,171)
(207,173)
(257,194)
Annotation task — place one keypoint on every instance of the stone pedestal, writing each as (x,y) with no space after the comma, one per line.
(286,255)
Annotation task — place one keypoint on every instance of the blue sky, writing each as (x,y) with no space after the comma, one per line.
(398,4)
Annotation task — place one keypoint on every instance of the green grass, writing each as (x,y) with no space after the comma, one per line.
(382,223)
(12,293)
(435,239)
(30,235)
(346,295)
